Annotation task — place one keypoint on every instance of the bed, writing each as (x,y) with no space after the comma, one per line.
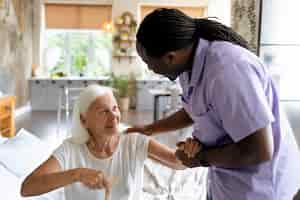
(160,183)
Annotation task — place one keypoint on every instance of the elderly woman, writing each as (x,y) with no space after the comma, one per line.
(97,156)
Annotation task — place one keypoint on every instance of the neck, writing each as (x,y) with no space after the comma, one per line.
(103,146)
(191,54)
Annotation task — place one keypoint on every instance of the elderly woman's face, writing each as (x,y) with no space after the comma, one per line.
(103,115)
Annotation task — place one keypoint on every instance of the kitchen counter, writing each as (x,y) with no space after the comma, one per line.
(44,91)
(75,78)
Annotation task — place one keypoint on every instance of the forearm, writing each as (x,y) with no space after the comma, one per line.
(173,164)
(231,156)
(164,155)
(178,120)
(252,150)
(37,185)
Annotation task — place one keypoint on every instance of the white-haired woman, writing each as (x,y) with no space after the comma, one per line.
(97,156)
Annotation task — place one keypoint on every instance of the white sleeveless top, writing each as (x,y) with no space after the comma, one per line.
(126,163)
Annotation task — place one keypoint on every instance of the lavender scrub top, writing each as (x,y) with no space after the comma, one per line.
(229,94)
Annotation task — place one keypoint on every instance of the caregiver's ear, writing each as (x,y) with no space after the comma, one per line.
(169,57)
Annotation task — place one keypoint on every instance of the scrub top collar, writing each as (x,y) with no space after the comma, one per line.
(199,62)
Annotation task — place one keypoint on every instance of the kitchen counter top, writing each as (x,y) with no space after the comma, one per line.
(70,78)
(75,78)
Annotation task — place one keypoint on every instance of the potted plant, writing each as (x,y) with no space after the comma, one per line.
(121,85)
(80,63)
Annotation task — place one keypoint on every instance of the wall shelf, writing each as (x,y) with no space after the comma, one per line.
(124,38)
(119,57)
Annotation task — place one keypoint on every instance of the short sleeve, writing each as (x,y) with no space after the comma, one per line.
(142,144)
(139,148)
(240,101)
(61,155)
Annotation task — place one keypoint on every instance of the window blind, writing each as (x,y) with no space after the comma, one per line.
(69,16)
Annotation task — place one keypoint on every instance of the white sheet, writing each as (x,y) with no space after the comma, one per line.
(23,153)
(10,187)
(162,183)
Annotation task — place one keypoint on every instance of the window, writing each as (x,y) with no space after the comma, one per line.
(78,52)
(283,61)
(77,45)
(280,45)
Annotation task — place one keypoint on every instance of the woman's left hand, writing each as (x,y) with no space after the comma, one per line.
(187,152)
(190,147)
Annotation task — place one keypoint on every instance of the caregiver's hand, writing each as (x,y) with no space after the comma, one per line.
(139,129)
(94,179)
(188,152)
(190,147)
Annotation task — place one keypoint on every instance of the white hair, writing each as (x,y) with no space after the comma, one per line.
(79,134)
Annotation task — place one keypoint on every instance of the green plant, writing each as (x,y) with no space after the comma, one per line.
(120,84)
(80,62)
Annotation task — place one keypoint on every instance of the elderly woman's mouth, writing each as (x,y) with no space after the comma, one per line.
(111,126)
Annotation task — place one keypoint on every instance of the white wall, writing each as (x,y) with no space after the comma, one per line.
(16,49)
(279,22)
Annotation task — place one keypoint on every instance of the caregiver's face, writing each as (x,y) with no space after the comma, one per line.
(166,65)
(103,115)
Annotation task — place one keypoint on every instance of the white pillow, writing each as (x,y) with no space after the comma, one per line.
(11,188)
(23,153)
(9,184)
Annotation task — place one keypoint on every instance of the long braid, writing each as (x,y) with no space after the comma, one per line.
(212,30)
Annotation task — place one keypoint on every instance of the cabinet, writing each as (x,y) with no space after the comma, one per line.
(7,119)
(45,93)
(145,100)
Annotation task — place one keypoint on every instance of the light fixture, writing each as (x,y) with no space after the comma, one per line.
(108,26)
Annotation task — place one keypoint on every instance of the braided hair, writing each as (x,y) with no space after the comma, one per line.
(166,30)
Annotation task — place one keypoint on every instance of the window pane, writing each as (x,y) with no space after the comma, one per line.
(284,60)
(79,52)
(103,53)
(54,52)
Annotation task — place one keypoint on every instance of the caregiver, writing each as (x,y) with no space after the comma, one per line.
(230,99)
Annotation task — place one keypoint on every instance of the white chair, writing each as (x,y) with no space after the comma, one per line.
(174,103)
(66,99)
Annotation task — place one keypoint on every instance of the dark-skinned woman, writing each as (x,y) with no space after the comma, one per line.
(231,101)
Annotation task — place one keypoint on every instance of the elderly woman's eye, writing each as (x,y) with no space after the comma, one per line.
(103,112)
(115,108)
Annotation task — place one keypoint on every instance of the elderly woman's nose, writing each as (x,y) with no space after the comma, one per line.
(113,114)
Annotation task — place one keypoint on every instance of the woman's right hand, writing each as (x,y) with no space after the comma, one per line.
(93,179)
(139,129)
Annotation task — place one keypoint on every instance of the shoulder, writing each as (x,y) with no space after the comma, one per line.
(136,145)
(226,53)
(68,147)
(227,60)
(134,139)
